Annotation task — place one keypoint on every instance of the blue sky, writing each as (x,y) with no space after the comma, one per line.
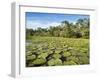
(44,20)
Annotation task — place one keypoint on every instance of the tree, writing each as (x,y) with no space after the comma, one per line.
(67,28)
(80,29)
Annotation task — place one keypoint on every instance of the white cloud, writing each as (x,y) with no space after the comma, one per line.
(36,24)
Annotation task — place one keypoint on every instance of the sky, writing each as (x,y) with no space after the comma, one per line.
(45,20)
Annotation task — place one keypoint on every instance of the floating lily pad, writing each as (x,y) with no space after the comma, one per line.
(56,56)
(28,53)
(69,63)
(51,62)
(66,54)
(39,61)
(32,57)
(43,55)
(58,62)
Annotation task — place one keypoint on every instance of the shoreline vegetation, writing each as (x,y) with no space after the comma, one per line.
(65,44)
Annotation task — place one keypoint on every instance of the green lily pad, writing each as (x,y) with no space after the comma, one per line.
(69,63)
(28,53)
(51,62)
(32,57)
(58,62)
(39,61)
(66,54)
(56,56)
(43,55)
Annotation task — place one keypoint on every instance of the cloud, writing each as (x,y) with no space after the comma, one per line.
(36,24)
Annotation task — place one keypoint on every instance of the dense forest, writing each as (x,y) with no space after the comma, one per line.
(80,29)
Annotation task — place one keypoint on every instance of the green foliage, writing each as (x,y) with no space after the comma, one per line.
(69,63)
(53,51)
(64,44)
(28,53)
(68,30)
(58,62)
(56,56)
(84,50)
(84,60)
(57,51)
(43,55)
(39,61)
(53,62)
(32,57)
(29,33)
(66,54)
(73,58)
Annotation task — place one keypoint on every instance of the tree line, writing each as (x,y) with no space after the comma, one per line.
(80,29)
